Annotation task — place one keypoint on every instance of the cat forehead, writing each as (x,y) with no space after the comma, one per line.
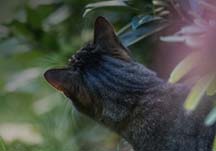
(86,56)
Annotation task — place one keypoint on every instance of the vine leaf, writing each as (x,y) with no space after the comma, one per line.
(184,67)
(212,88)
(148,28)
(13,45)
(197,92)
(2,145)
(56,17)
(214,145)
(208,6)
(21,81)
(106,4)
(211,118)
(137,21)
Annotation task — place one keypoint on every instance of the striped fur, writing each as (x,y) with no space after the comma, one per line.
(106,84)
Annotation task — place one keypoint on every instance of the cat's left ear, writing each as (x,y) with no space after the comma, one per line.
(105,37)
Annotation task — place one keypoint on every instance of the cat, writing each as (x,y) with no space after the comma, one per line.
(106,84)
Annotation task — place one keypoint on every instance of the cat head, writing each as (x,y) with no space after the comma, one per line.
(101,79)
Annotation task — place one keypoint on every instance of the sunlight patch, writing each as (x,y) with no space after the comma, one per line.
(20,132)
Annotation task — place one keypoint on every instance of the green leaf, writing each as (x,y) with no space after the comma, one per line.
(208,6)
(20,29)
(124,29)
(214,145)
(106,4)
(212,88)
(111,3)
(13,45)
(184,67)
(133,36)
(23,81)
(211,118)
(2,145)
(137,21)
(36,3)
(161,3)
(57,17)
(197,92)
(4,32)
(49,41)
(35,17)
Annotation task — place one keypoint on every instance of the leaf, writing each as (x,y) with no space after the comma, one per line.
(137,21)
(211,118)
(4,32)
(49,41)
(47,103)
(212,88)
(20,29)
(22,79)
(23,132)
(36,3)
(11,46)
(184,67)
(193,41)
(57,17)
(197,92)
(161,3)
(193,29)
(191,35)
(133,36)
(174,38)
(214,145)
(35,17)
(208,6)
(195,6)
(124,29)
(106,4)
(2,145)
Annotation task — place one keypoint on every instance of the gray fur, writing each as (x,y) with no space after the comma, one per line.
(109,87)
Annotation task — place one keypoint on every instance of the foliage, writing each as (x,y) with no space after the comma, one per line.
(195,28)
(2,145)
(198,36)
(38,36)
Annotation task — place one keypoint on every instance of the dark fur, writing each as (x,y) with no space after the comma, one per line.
(106,84)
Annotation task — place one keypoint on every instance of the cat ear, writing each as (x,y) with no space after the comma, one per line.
(103,30)
(69,83)
(56,78)
(105,37)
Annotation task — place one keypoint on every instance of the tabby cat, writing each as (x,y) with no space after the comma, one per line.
(106,84)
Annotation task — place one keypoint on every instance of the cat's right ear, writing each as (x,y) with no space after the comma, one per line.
(106,38)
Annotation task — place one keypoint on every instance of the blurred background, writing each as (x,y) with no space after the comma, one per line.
(36,35)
